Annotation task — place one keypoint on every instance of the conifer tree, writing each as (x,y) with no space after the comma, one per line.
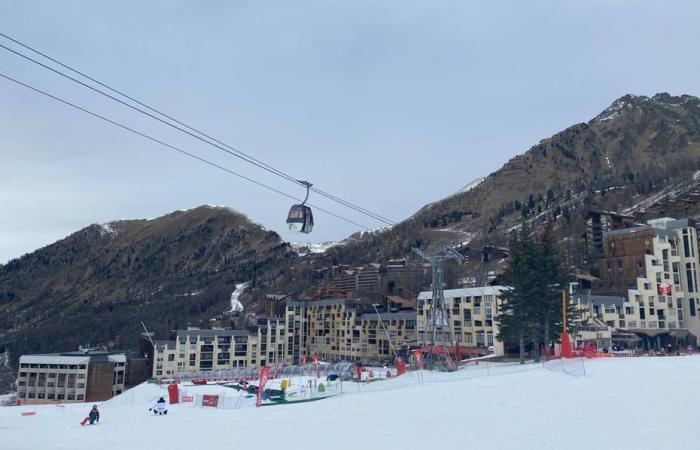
(531,309)
(515,310)
(554,278)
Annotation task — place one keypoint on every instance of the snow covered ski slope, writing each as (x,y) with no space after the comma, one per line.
(621,403)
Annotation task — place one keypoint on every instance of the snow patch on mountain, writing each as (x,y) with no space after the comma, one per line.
(305,248)
(471,185)
(108,229)
(236,305)
(375,230)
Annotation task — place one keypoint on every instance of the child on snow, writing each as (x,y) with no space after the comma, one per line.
(160,408)
(94,415)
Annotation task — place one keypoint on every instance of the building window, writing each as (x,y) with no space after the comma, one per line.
(689,276)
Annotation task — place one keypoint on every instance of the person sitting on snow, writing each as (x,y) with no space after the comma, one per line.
(94,415)
(160,407)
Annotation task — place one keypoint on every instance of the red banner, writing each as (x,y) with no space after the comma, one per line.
(210,400)
(400,366)
(318,367)
(664,289)
(186,399)
(264,376)
(358,373)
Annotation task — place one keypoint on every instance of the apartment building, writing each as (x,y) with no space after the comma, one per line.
(350,329)
(333,329)
(82,376)
(200,350)
(271,337)
(655,268)
(359,279)
(471,313)
(598,223)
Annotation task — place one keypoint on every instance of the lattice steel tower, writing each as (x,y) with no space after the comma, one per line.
(438,332)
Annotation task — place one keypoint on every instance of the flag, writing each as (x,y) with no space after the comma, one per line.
(318,367)
(264,375)
(400,366)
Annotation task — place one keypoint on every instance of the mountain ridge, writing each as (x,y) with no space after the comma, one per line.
(100,282)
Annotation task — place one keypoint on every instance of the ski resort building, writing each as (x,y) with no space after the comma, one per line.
(197,350)
(598,223)
(332,329)
(348,329)
(82,376)
(472,314)
(654,270)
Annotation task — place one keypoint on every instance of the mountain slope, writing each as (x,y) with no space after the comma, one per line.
(636,147)
(97,285)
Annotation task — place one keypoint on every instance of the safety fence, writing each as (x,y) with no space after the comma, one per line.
(343,370)
(575,367)
(470,370)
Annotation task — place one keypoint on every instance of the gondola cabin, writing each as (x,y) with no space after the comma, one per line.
(300,219)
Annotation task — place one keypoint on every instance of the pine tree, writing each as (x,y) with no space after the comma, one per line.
(554,278)
(531,309)
(516,310)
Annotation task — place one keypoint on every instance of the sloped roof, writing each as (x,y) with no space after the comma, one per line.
(408,302)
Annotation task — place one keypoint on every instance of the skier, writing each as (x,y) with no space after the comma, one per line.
(93,417)
(160,408)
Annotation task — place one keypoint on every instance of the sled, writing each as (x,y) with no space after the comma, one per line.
(84,421)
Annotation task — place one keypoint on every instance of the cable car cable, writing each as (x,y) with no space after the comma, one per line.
(209,140)
(172,147)
(246,157)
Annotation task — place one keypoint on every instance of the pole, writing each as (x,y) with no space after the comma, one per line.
(563,309)
(379,318)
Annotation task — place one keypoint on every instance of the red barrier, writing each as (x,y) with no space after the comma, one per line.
(566,350)
(210,400)
(400,366)
(173,394)
(29,413)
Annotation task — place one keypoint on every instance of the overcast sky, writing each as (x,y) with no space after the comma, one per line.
(390,105)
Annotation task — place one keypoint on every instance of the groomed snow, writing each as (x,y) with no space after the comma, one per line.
(622,403)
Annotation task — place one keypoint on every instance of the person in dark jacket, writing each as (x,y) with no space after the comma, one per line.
(94,415)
